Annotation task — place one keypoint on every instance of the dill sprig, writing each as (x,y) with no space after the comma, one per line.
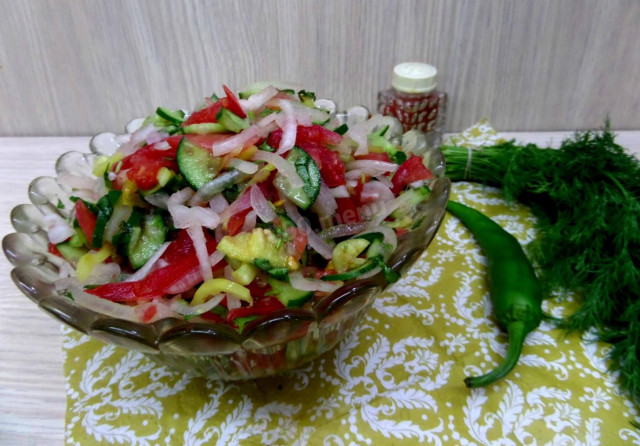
(586,195)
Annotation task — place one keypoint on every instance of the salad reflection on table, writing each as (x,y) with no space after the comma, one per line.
(248,223)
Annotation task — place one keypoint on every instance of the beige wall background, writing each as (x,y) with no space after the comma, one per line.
(83,67)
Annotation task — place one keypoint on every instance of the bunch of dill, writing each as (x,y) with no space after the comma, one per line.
(586,196)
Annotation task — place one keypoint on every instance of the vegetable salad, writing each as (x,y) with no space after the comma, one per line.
(250,204)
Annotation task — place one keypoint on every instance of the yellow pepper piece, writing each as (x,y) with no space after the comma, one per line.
(262,174)
(245,274)
(247,153)
(87,262)
(214,286)
(100,166)
(130,195)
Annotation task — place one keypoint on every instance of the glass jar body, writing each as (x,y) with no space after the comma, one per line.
(420,111)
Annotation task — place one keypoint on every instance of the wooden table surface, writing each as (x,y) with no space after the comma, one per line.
(32,390)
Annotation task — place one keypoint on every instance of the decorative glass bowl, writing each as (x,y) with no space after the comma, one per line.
(273,343)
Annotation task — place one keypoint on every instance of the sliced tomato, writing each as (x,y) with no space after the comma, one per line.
(357,190)
(308,134)
(206,114)
(234,225)
(183,269)
(331,167)
(375,157)
(143,165)
(233,104)
(263,305)
(86,219)
(347,211)
(410,171)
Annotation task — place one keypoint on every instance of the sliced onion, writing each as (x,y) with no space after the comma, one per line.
(146,268)
(200,244)
(243,166)
(299,282)
(388,208)
(283,166)
(102,306)
(159,199)
(216,257)
(255,101)
(233,302)
(186,282)
(315,242)
(58,229)
(261,205)
(156,137)
(288,125)
(388,234)
(180,197)
(343,230)
(242,203)
(185,217)
(325,205)
(249,222)
(376,190)
(181,307)
(218,203)
(340,192)
(242,139)
(161,145)
(372,167)
(384,180)
(103,273)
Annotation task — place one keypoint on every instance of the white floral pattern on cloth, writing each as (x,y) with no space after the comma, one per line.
(396,379)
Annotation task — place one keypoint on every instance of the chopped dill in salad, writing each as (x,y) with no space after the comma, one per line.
(248,205)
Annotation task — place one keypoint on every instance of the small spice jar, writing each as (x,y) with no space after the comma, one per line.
(414,100)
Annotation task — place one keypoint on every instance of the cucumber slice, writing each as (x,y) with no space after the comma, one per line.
(204,128)
(308,170)
(354,273)
(146,239)
(288,295)
(173,116)
(197,165)
(231,121)
(71,253)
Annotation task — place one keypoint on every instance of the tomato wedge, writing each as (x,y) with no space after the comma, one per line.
(331,167)
(347,211)
(410,171)
(233,104)
(86,219)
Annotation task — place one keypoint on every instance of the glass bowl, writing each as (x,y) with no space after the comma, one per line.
(270,344)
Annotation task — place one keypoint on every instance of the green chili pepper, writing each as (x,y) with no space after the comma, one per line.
(515,291)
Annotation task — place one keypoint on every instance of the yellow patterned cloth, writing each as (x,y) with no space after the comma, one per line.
(396,379)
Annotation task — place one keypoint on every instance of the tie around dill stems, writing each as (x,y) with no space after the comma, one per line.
(586,196)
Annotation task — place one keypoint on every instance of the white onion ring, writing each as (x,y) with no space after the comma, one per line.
(242,139)
(146,268)
(377,190)
(200,244)
(180,307)
(315,242)
(249,222)
(58,229)
(283,166)
(261,205)
(388,208)
(288,125)
(299,282)
(255,101)
(243,166)
(340,192)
